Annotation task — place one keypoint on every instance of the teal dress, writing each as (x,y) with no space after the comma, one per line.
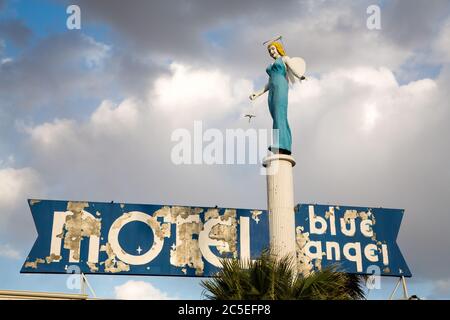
(278,103)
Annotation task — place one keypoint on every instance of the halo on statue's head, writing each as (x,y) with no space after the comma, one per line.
(273,40)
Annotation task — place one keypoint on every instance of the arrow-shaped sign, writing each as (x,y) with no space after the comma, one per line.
(361,240)
(143,239)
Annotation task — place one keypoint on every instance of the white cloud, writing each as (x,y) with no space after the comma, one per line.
(16,223)
(371,116)
(49,133)
(366,100)
(122,151)
(6,60)
(139,290)
(176,100)
(109,117)
(16,185)
(441,44)
(96,52)
(8,252)
(198,93)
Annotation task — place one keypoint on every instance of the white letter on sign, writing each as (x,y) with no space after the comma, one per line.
(318,246)
(113,238)
(366,228)
(356,246)
(244,223)
(370,251)
(59,220)
(313,220)
(205,241)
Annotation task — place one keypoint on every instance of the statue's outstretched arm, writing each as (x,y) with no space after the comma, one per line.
(255,95)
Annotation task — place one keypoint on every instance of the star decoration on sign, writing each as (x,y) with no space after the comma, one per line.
(139,250)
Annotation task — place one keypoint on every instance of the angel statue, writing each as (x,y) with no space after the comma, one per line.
(282,71)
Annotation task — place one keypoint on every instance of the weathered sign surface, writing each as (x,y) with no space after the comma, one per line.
(143,239)
(140,239)
(361,240)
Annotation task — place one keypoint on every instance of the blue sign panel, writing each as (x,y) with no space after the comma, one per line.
(143,239)
(358,239)
(140,239)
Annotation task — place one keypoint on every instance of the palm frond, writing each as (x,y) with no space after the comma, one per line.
(274,278)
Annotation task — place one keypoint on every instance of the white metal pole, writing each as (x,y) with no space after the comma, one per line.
(280,201)
(405,289)
(395,289)
(83,287)
(86,282)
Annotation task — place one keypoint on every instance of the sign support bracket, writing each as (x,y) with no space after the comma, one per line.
(401,280)
(84,284)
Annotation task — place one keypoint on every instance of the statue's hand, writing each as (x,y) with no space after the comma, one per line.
(253,96)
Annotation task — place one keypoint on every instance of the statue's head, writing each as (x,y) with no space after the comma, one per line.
(276,49)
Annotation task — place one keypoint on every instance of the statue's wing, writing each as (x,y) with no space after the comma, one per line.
(290,76)
(297,68)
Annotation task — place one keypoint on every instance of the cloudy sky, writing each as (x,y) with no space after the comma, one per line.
(88,115)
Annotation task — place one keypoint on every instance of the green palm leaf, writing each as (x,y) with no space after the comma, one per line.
(271,278)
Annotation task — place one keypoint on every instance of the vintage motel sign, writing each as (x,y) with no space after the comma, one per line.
(143,239)
(359,239)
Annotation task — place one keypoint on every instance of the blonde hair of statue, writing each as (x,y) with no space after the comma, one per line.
(279,47)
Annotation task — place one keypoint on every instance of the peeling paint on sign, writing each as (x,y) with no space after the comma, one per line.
(52,257)
(33,202)
(137,239)
(255,215)
(112,264)
(348,237)
(92,266)
(34,264)
(77,226)
(187,251)
(226,233)
(304,262)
